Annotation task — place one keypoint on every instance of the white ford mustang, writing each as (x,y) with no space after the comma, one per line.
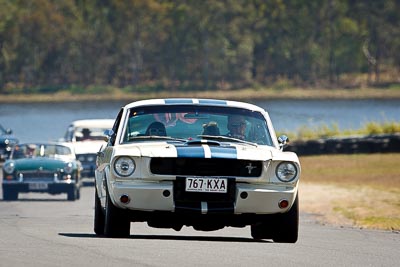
(196,162)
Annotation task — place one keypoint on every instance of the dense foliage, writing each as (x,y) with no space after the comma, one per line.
(48,45)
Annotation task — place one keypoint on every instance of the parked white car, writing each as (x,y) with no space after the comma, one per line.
(202,163)
(87,137)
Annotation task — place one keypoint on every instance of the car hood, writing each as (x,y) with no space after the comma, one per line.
(39,163)
(196,150)
(88,147)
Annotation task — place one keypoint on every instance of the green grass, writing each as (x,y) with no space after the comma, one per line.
(281,90)
(329,131)
(386,223)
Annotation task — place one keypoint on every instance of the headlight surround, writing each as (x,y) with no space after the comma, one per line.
(286,171)
(9,167)
(69,168)
(124,166)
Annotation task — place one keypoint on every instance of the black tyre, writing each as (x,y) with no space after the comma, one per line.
(287,227)
(10,194)
(116,224)
(78,193)
(99,217)
(72,193)
(281,228)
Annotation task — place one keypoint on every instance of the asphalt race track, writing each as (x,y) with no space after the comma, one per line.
(45,230)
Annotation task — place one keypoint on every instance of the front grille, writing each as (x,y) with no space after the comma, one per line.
(88,159)
(205,167)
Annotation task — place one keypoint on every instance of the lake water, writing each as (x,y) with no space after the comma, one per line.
(48,121)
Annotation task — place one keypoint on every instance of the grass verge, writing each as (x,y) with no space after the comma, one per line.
(245,94)
(358,190)
(331,131)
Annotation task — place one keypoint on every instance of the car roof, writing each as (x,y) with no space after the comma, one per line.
(194,101)
(93,123)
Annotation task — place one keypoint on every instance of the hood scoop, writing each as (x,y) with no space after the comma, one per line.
(202,142)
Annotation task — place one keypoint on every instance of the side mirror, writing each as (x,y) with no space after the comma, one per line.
(8,131)
(283,141)
(108,133)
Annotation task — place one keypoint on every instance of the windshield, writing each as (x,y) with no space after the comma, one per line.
(196,122)
(3,131)
(86,133)
(40,150)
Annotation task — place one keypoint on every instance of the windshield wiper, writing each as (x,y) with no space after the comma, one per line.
(157,137)
(226,138)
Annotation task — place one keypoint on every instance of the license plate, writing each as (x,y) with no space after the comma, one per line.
(211,185)
(38,186)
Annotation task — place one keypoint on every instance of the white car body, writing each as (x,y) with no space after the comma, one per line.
(188,179)
(86,150)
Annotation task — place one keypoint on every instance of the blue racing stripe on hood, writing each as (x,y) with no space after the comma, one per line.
(190,152)
(198,152)
(223,152)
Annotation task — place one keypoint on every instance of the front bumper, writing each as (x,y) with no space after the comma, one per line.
(40,187)
(241,198)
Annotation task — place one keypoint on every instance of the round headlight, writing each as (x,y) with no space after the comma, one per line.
(9,167)
(124,166)
(286,171)
(69,168)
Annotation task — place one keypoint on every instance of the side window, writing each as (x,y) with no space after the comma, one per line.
(69,135)
(117,122)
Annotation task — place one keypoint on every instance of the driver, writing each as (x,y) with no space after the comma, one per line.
(236,126)
(30,150)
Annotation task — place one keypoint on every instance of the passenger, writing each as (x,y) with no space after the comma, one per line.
(156,128)
(86,134)
(30,150)
(211,128)
(236,126)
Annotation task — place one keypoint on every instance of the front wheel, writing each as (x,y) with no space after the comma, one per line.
(73,193)
(78,193)
(116,224)
(288,225)
(281,228)
(98,215)
(10,194)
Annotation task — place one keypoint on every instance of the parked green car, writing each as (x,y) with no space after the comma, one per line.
(43,168)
